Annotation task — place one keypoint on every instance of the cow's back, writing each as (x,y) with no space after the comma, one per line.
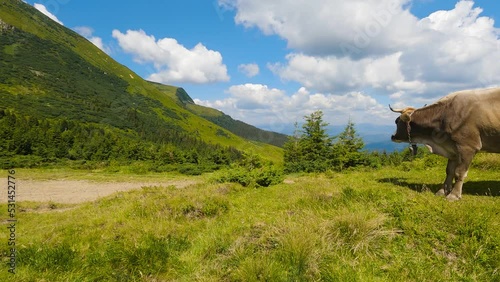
(481,111)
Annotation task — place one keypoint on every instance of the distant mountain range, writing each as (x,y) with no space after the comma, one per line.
(378,137)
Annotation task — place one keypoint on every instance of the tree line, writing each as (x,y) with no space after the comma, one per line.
(52,139)
(311,149)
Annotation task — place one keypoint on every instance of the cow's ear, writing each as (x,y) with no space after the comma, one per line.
(406,115)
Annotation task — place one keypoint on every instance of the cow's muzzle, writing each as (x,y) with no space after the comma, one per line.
(394,139)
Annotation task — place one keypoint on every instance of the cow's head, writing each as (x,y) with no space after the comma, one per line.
(402,125)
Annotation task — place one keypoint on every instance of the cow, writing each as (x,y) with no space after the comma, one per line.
(456,127)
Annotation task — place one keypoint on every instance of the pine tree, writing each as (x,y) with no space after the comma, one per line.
(309,151)
(347,150)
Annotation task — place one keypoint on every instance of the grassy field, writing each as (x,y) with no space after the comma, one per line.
(369,225)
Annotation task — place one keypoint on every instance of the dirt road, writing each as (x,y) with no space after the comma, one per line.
(77,191)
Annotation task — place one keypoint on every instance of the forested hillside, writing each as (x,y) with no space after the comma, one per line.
(62,97)
(237,127)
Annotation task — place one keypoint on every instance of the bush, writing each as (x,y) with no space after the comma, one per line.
(196,169)
(21,161)
(190,170)
(268,176)
(236,175)
(262,177)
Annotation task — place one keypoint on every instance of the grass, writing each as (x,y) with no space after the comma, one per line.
(373,225)
(112,174)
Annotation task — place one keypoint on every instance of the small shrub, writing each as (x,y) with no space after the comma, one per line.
(28,161)
(240,176)
(262,177)
(268,176)
(191,170)
(197,169)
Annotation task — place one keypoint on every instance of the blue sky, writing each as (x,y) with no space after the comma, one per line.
(271,62)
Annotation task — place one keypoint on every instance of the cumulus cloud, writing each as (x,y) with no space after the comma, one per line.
(88,32)
(342,74)
(345,46)
(272,108)
(330,26)
(249,70)
(459,52)
(43,10)
(173,62)
(255,96)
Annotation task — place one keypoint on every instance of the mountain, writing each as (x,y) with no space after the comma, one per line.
(237,127)
(62,97)
(375,137)
(378,137)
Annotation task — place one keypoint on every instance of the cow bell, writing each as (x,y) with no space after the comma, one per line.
(413,149)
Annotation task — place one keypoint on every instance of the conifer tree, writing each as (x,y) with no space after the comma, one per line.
(347,150)
(310,151)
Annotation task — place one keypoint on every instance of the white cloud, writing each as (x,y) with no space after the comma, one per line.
(88,32)
(272,108)
(84,31)
(460,51)
(463,19)
(43,10)
(330,27)
(255,96)
(249,70)
(173,62)
(360,45)
(342,74)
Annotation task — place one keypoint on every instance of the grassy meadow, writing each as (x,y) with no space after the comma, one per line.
(359,225)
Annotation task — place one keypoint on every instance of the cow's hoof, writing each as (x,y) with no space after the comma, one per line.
(452,198)
(440,193)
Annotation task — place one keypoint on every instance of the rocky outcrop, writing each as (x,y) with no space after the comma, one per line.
(5,26)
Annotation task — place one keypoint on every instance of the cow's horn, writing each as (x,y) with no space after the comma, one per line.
(396,110)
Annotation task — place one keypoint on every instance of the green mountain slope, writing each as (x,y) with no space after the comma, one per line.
(237,127)
(60,93)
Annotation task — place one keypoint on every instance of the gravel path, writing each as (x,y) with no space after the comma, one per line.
(77,191)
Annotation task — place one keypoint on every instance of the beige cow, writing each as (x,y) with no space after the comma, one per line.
(456,127)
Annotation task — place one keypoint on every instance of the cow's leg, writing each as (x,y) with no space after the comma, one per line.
(450,175)
(460,174)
